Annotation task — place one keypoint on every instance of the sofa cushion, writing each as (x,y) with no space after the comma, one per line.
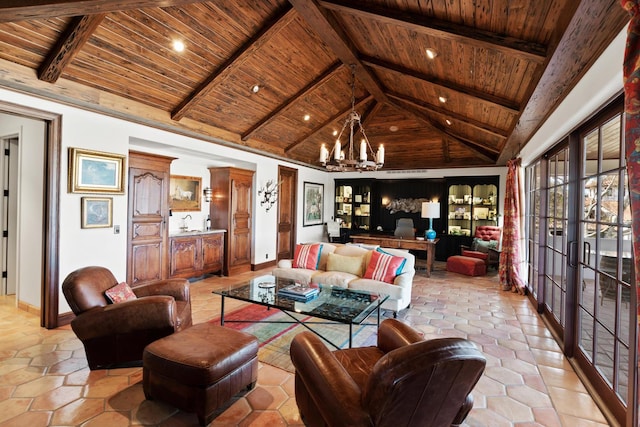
(384,267)
(346,264)
(300,275)
(119,293)
(334,278)
(307,256)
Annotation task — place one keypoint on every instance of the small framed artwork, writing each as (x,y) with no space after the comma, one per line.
(312,204)
(95,172)
(97,212)
(185,193)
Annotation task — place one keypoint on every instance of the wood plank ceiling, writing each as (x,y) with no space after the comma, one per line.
(502,66)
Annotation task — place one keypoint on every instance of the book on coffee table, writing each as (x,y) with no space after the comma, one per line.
(298,292)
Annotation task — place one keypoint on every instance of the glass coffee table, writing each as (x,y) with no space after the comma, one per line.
(334,304)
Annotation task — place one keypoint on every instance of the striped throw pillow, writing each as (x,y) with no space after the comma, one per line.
(307,256)
(384,267)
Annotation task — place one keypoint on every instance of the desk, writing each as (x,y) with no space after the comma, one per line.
(397,243)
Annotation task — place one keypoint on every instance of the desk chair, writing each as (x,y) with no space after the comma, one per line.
(405,229)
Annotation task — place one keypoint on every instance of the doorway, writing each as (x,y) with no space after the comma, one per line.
(9,214)
(38,200)
(288,187)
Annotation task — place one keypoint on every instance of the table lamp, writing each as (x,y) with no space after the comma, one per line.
(430,210)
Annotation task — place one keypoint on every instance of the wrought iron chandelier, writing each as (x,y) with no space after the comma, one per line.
(336,160)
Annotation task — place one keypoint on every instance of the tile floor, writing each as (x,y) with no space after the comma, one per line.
(44,379)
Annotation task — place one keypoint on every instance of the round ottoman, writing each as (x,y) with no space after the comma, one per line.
(466,265)
(200,368)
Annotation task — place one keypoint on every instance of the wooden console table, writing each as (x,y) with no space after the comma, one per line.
(398,243)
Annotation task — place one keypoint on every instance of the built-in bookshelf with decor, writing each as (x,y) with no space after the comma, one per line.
(353,205)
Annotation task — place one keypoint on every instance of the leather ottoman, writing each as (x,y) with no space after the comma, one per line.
(200,368)
(466,265)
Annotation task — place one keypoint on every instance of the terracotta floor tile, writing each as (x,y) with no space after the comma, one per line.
(78,411)
(266,397)
(575,404)
(38,386)
(57,398)
(33,419)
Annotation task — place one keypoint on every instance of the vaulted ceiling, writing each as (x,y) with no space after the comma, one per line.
(501,67)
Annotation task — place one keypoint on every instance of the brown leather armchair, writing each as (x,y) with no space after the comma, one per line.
(118,333)
(403,381)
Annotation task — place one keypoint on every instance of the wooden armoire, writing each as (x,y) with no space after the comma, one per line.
(230,209)
(148,218)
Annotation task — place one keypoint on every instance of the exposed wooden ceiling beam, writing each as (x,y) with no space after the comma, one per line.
(370,112)
(511,46)
(272,27)
(330,31)
(502,103)
(23,10)
(478,149)
(445,150)
(68,45)
(483,127)
(327,123)
(316,83)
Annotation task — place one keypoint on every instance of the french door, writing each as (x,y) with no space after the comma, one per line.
(580,255)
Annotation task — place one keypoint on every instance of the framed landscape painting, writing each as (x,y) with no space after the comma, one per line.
(313,204)
(185,193)
(97,212)
(95,172)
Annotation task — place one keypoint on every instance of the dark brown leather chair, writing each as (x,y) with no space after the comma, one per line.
(403,381)
(114,334)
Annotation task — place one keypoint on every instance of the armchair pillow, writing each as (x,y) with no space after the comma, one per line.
(119,293)
(483,245)
(384,267)
(307,256)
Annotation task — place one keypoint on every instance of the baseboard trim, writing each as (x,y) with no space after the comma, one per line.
(65,318)
(24,306)
(268,264)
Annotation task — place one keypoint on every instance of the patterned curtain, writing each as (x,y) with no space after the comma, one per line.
(509,269)
(631,75)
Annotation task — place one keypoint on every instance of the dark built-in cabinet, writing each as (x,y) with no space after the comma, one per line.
(375,205)
(353,206)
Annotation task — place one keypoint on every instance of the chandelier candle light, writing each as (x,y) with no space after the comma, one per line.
(430,210)
(336,159)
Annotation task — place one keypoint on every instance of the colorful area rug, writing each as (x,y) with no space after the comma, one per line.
(275,338)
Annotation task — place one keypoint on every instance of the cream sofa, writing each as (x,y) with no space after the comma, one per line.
(399,292)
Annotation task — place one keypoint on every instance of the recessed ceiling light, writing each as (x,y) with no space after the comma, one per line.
(431,53)
(393,128)
(448,122)
(255,88)
(335,132)
(306,117)
(442,99)
(178,45)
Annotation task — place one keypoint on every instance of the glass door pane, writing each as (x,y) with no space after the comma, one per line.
(605,259)
(555,272)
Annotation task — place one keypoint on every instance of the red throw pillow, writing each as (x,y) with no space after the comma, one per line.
(307,256)
(119,293)
(384,267)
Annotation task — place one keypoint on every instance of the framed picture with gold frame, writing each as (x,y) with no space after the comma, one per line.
(95,172)
(97,212)
(186,193)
